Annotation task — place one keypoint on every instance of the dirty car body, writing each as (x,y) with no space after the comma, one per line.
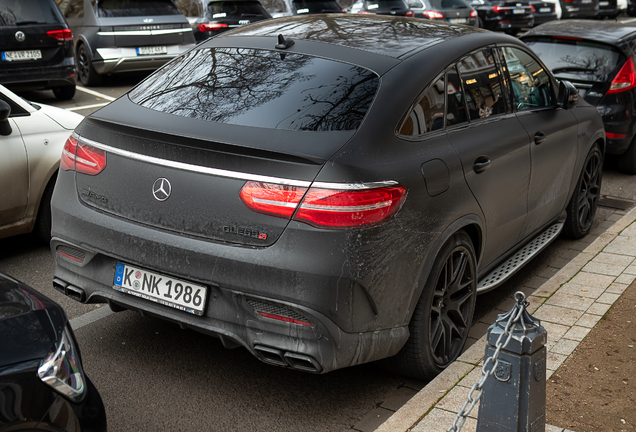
(298,206)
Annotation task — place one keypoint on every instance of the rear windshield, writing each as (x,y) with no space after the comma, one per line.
(128,8)
(261,88)
(315,6)
(565,56)
(28,12)
(448,4)
(385,5)
(237,9)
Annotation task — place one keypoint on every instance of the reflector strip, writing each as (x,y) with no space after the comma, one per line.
(285,319)
(70,256)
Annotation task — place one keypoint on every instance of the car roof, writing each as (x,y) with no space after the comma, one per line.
(610,32)
(385,35)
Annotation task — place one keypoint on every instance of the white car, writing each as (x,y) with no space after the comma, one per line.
(557,7)
(32,137)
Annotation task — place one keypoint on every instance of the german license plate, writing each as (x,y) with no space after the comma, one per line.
(152,50)
(545,10)
(21,55)
(518,11)
(458,20)
(168,291)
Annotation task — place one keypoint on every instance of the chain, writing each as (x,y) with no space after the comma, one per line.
(513,318)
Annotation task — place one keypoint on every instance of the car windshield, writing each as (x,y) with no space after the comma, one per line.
(448,4)
(127,8)
(262,89)
(26,12)
(316,6)
(576,56)
(222,9)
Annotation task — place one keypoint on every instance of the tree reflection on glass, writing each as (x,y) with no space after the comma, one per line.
(261,88)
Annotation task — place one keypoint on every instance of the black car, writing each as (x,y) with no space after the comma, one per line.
(113,36)
(608,9)
(292,187)
(36,48)
(598,58)
(211,17)
(579,8)
(504,15)
(280,8)
(542,12)
(43,386)
(453,11)
(382,7)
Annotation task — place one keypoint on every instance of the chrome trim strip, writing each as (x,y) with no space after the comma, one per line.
(144,32)
(233,174)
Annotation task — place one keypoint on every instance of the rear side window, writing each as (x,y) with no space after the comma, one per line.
(29,12)
(448,4)
(190,8)
(128,8)
(275,6)
(262,89)
(530,83)
(428,113)
(576,57)
(385,5)
(239,9)
(482,84)
(456,112)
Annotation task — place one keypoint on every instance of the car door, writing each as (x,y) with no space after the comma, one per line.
(14,174)
(552,132)
(493,147)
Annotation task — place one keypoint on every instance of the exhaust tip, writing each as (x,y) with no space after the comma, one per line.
(270,355)
(302,362)
(60,285)
(75,293)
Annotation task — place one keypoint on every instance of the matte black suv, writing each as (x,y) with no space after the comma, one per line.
(36,48)
(598,58)
(114,36)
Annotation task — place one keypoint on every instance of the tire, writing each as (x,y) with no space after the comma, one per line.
(582,207)
(86,72)
(626,163)
(479,23)
(64,93)
(444,313)
(42,228)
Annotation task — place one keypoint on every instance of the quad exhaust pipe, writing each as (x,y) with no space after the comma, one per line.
(282,358)
(69,290)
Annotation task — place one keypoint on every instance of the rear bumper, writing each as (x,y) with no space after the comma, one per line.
(39,78)
(496,23)
(114,60)
(544,18)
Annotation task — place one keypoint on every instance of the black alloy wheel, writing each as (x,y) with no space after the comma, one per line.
(443,316)
(582,207)
(85,70)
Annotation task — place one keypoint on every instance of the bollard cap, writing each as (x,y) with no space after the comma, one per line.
(528,335)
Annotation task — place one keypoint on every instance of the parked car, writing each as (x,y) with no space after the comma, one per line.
(598,58)
(453,11)
(113,36)
(43,386)
(504,15)
(280,8)
(300,192)
(542,11)
(631,8)
(557,7)
(579,8)
(608,9)
(211,17)
(36,48)
(31,141)
(382,7)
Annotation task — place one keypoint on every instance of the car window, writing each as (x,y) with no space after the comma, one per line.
(482,84)
(240,9)
(385,5)
(190,8)
(456,111)
(275,6)
(72,8)
(417,4)
(315,6)
(530,84)
(22,12)
(126,8)
(428,113)
(16,110)
(448,4)
(261,88)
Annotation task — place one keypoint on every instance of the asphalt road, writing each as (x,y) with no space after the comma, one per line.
(154,376)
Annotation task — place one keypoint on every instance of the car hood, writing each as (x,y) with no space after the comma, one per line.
(30,323)
(67,119)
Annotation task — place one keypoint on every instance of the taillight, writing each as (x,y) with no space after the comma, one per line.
(61,35)
(532,9)
(410,13)
(325,208)
(613,135)
(204,27)
(473,14)
(625,79)
(496,9)
(83,158)
(433,14)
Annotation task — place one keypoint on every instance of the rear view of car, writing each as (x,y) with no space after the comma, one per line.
(598,59)
(382,7)
(211,17)
(113,36)
(579,8)
(453,11)
(504,15)
(36,48)
(543,12)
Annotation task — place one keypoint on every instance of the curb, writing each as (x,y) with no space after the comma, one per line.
(569,305)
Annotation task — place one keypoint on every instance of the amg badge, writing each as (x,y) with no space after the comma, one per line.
(245,232)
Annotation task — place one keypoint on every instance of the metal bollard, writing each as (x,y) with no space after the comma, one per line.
(513,399)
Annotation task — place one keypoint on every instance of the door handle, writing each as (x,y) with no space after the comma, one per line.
(481,164)
(539,137)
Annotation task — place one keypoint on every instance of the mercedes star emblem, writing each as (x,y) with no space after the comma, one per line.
(161,189)
(20,36)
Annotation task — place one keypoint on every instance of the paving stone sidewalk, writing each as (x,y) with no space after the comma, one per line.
(569,304)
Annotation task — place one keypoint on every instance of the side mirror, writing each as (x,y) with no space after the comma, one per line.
(5,126)
(568,95)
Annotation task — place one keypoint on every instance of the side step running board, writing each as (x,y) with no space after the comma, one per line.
(518,260)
